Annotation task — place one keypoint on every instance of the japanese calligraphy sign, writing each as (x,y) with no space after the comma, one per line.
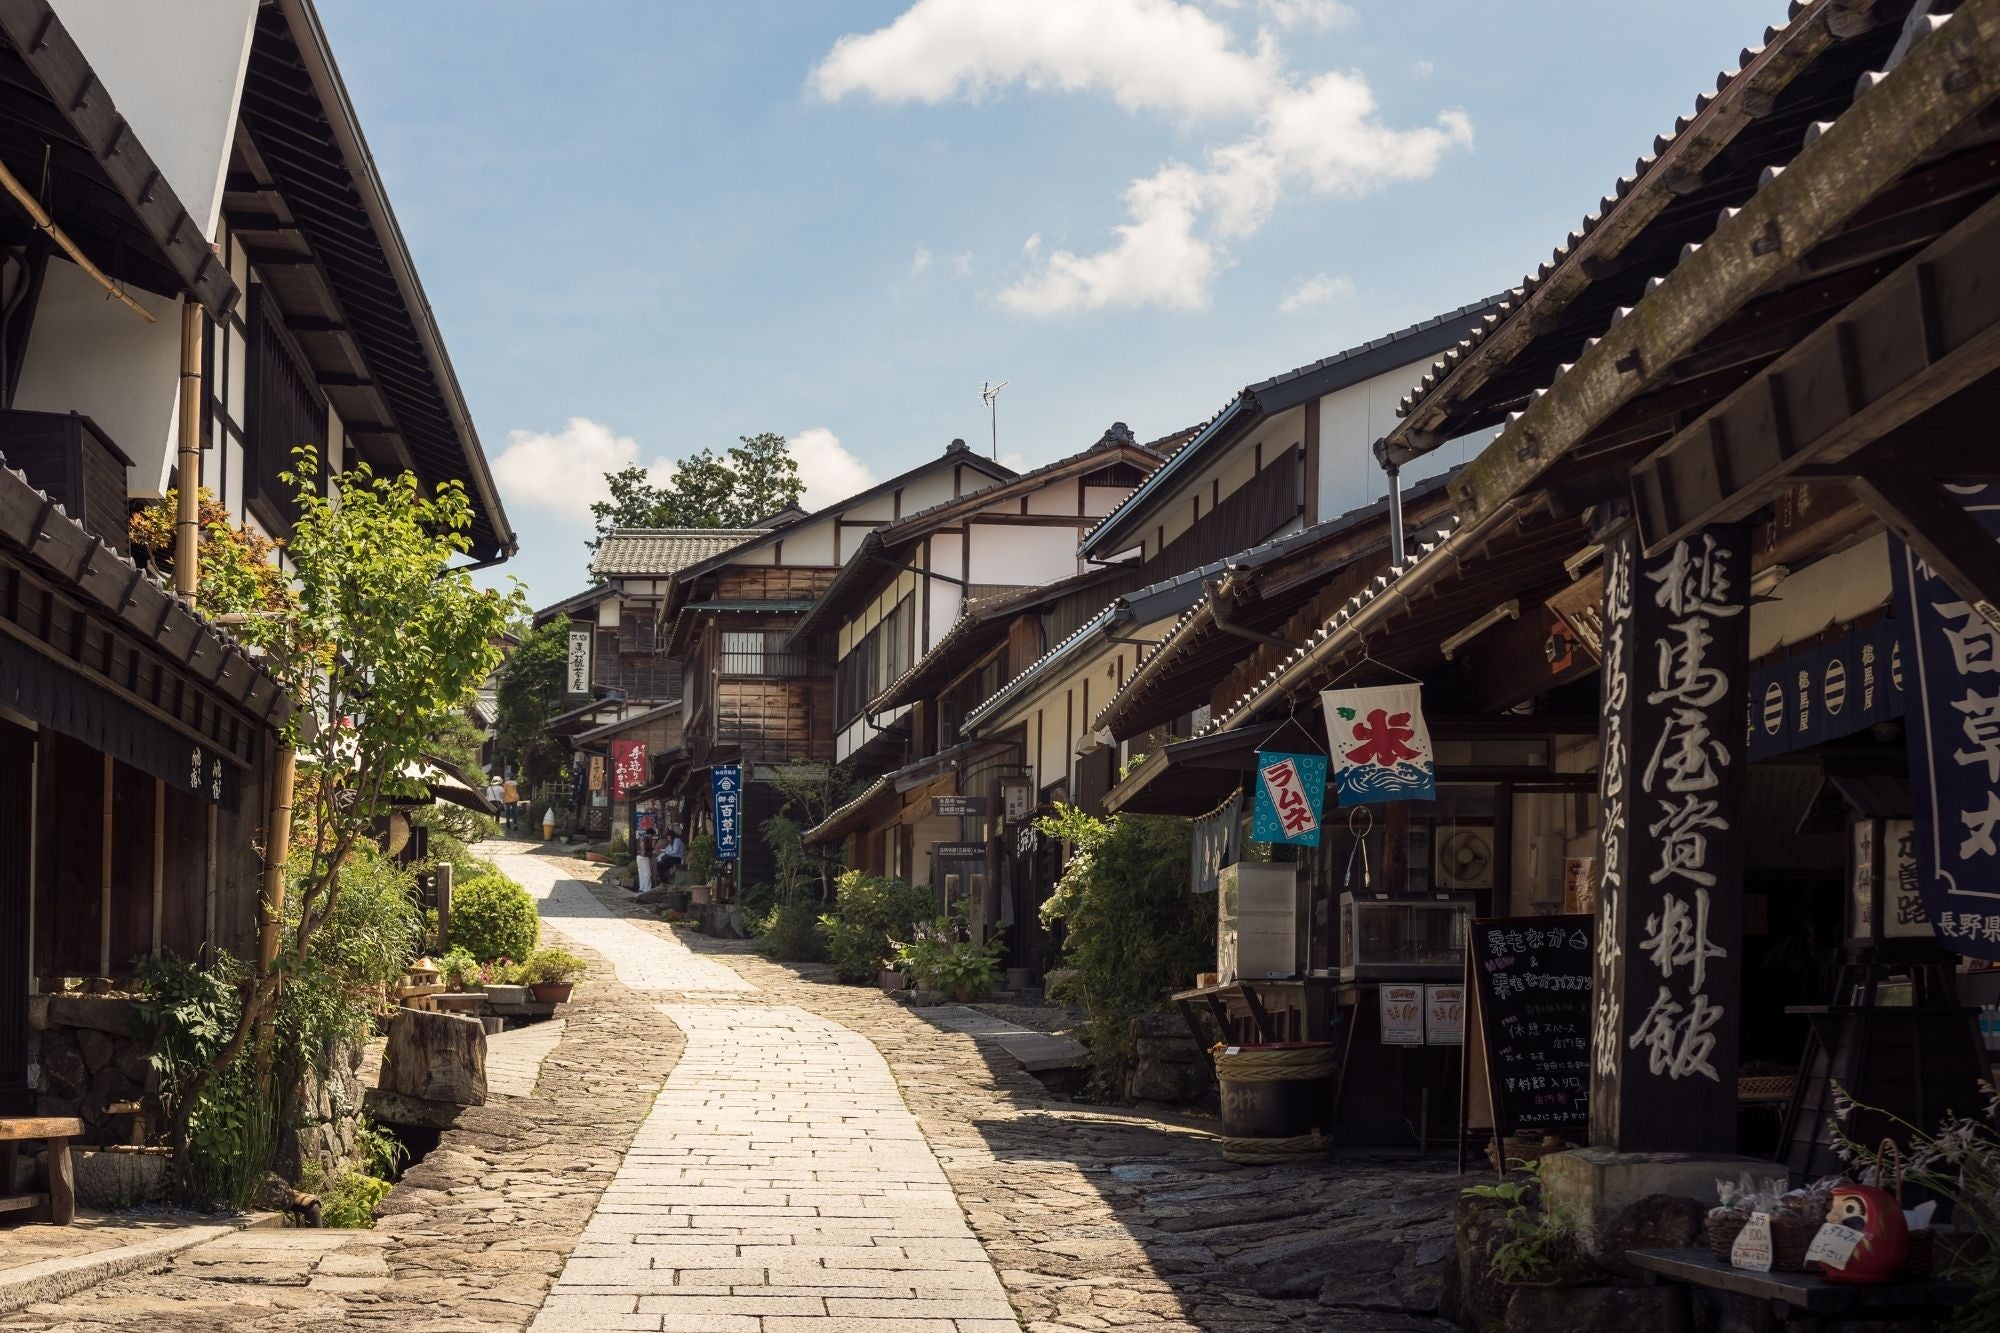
(597,772)
(1953,652)
(1669,896)
(628,768)
(726,785)
(1382,749)
(577,678)
(1291,788)
(1531,984)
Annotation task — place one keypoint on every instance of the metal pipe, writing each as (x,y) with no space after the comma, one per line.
(1399,550)
(187,522)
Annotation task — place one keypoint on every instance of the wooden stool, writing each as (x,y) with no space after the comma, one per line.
(57,1172)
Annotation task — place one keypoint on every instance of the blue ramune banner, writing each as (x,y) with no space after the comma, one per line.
(1291,788)
(1953,715)
(1381,747)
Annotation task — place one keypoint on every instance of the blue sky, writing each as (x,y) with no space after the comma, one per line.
(649,227)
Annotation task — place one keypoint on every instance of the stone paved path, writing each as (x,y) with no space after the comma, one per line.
(639,958)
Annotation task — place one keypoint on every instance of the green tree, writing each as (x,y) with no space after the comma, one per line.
(752,479)
(387,640)
(530,693)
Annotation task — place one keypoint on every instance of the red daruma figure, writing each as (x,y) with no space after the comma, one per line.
(1885,1240)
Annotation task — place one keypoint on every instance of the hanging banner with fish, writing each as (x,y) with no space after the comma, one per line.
(1381,747)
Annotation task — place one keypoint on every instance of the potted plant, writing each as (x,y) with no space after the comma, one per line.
(460,969)
(551,974)
(500,979)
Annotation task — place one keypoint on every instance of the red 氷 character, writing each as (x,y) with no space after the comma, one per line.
(1382,739)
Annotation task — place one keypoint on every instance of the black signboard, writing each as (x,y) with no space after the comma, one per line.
(958,805)
(958,851)
(1530,981)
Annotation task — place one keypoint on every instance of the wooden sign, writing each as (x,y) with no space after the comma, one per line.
(1530,984)
(969,806)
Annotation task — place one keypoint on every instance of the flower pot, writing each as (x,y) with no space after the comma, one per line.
(893,981)
(700,894)
(965,994)
(552,992)
(499,993)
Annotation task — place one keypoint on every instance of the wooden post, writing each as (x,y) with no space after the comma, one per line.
(277,848)
(104,878)
(159,860)
(187,520)
(1668,967)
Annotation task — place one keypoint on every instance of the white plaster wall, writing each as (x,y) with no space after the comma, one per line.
(1006,553)
(1056,498)
(1232,471)
(175,72)
(807,544)
(89,354)
(1101,500)
(1843,587)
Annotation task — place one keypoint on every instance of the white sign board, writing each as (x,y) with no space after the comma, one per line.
(1833,1245)
(1752,1249)
(1444,1015)
(1402,1009)
(579,662)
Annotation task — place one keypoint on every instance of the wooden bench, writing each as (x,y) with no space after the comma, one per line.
(1800,1301)
(59,1202)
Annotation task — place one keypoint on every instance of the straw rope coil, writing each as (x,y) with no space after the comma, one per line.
(1255,1065)
(1264,1152)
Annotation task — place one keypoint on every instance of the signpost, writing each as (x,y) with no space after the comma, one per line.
(958,851)
(726,789)
(960,806)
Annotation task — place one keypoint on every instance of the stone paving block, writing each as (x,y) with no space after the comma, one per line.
(677,1307)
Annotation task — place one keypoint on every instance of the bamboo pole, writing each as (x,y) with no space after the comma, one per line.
(40,217)
(277,850)
(187,520)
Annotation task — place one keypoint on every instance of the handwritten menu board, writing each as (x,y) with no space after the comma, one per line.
(1530,980)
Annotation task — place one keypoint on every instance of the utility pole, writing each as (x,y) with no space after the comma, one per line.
(989,394)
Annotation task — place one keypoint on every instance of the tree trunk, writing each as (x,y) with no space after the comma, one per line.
(435,1057)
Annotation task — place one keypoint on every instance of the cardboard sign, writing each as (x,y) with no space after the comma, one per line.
(1752,1249)
(1291,788)
(1402,1009)
(1444,1015)
(1382,748)
(1834,1245)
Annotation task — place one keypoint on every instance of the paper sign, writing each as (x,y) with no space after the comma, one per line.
(1834,1245)
(1402,1015)
(1291,788)
(1444,1015)
(1752,1249)
(1382,749)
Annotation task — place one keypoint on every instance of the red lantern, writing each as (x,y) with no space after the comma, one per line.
(1885,1240)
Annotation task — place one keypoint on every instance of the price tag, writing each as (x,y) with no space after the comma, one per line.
(1752,1249)
(1834,1245)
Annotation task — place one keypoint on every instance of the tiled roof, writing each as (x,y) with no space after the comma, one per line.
(656,551)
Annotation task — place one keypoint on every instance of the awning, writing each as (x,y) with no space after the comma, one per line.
(1190,777)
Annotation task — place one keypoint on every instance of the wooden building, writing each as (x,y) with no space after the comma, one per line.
(1738,494)
(749,695)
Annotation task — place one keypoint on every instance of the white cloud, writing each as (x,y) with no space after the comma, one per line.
(920,261)
(829,471)
(1425,68)
(961,263)
(1148,55)
(1305,133)
(1316,290)
(563,473)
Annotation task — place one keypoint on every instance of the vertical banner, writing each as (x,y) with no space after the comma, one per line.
(1291,789)
(1668,967)
(1953,652)
(578,678)
(597,772)
(628,767)
(726,782)
(1215,843)
(1381,747)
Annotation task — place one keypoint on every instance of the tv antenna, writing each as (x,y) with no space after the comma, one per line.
(989,394)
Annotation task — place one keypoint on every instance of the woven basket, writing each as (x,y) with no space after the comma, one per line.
(1921,1261)
(1722,1230)
(1791,1237)
(1766,1088)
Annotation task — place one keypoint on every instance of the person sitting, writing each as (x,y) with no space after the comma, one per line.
(672,853)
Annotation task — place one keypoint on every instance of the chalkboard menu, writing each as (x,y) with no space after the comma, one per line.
(1530,978)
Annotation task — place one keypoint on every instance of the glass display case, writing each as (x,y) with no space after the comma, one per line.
(1403,938)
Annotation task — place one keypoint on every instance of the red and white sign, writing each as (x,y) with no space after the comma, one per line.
(628,767)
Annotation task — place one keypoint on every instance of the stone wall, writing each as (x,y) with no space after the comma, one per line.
(325,1116)
(1167,1066)
(86,1052)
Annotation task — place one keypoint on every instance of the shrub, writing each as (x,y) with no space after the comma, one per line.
(869,913)
(943,957)
(493,917)
(552,967)
(1133,929)
(791,934)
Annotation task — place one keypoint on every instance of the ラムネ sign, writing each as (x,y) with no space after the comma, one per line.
(1381,747)
(1291,789)
(726,785)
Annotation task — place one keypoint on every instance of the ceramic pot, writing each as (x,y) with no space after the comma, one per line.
(552,992)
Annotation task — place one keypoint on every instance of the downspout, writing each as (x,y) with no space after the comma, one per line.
(1399,549)
(187,524)
(1222,597)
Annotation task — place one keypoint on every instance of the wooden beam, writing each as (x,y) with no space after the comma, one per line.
(104,880)
(1927,331)
(1924,514)
(159,859)
(1888,130)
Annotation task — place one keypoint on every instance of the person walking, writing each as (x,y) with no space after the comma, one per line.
(510,796)
(496,796)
